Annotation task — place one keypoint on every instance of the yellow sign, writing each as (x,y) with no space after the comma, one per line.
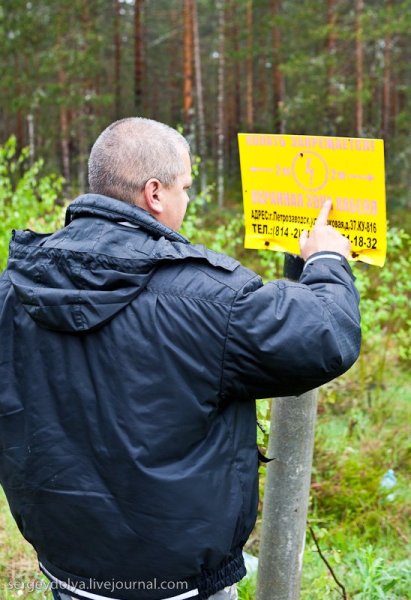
(287,178)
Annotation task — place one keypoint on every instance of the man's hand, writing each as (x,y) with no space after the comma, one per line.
(323,237)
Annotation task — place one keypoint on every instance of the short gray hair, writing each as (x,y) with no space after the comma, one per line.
(130,152)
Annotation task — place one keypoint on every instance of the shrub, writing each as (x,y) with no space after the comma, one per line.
(27,198)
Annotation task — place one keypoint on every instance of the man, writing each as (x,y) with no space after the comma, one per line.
(130,362)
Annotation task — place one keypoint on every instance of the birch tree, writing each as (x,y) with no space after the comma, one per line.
(386,107)
(199,101)
(188,67)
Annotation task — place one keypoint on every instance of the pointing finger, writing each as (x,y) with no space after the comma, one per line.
(303,241)
(324,212)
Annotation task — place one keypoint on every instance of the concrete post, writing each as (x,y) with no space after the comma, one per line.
(286,497)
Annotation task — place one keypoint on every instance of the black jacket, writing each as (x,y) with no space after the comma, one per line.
(129,364)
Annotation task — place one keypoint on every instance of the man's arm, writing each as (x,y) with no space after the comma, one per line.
(285,338)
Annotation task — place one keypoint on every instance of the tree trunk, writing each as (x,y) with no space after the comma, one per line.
(64,131)
(174,66)
(19,113)
(188,67)
(82,153)
(233,87)
(231,119)
(117,60)
(19,131)
(220,104)
(30,127)
(278,79)
(359,67)
(199,101)
(261,105)
(396,105)
(250,112)
(138,56)
(237,46)
(386,110)
(331,49)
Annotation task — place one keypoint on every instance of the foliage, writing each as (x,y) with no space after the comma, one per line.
(247,588)
(366,575)
(358,439)
(362,428)
(362,528)
(223,231)
(361,432)
(219,231)
(18,564)
(27,198)
(385,305)
(58,63)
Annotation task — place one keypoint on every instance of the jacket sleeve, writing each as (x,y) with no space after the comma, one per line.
(286,338)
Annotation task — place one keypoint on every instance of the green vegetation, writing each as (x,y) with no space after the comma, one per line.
(18,563)
(361,526)
(70,67)
(362,430)
(362,529)
(363,421)
(27,197)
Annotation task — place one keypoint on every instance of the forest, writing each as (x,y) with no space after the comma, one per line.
(325,67)
(214,69)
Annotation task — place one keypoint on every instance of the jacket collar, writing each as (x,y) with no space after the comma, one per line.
(116,210)
(171,245)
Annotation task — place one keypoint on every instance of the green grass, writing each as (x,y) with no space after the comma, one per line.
(20,577)
(362,531)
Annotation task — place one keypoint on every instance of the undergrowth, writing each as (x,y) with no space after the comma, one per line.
(363,422)
(361,527)
(362,431)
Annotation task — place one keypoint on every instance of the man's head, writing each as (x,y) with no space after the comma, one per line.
(145,163)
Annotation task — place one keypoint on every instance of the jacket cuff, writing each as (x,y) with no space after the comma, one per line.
(326,255)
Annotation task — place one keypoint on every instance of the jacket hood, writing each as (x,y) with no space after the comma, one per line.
(64,287)
(66,291)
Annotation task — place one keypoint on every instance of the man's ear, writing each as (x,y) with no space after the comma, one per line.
(152,196)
